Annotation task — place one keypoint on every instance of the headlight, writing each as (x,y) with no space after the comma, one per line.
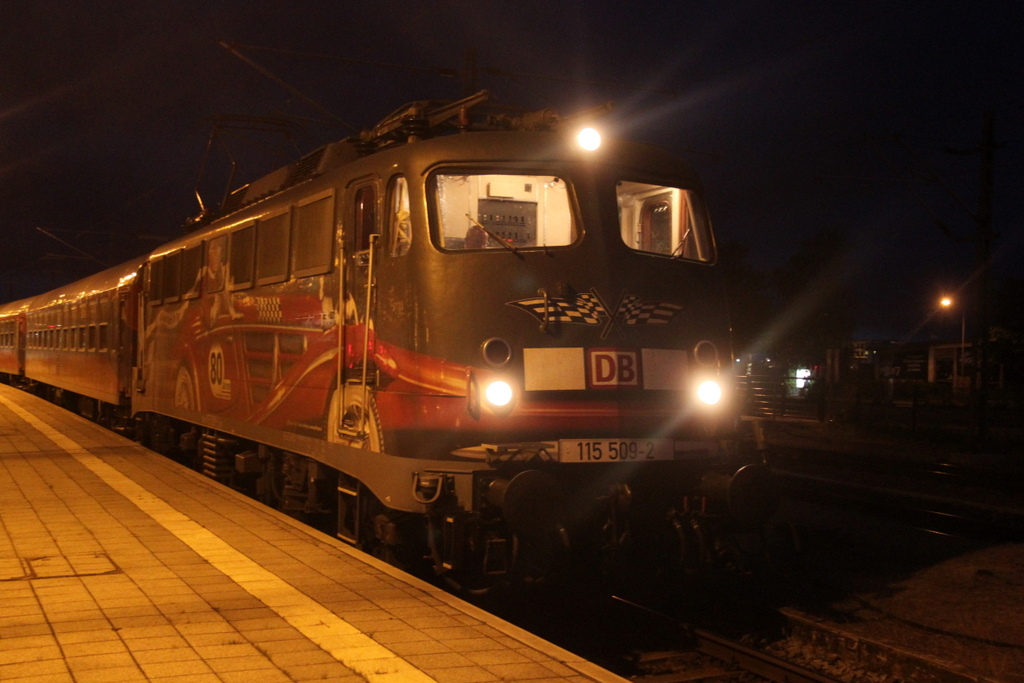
(709,392)
(498,394)
(589,139)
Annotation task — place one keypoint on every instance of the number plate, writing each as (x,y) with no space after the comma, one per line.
(614,450)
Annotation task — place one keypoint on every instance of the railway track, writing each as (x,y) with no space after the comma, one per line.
(712,657)
(947,499)
(1005,479)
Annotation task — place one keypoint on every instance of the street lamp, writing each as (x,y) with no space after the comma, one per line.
(947,302)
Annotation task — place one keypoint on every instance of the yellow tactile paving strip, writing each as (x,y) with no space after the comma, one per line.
(118,565)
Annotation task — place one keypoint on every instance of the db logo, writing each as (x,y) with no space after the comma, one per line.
(611,368)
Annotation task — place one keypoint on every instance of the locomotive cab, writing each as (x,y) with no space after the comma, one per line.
(547,321)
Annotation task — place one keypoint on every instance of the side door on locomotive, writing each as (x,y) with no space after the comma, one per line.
(360,257)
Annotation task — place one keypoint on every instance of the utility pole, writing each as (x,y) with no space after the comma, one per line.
(983,263)
(470,72)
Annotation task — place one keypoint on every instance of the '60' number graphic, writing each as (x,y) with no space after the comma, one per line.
(220,387)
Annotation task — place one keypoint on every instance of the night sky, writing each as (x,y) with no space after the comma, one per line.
(788,110)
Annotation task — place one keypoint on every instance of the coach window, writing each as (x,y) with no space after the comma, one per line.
(399,225)
(272,249)
(503,211)
(313,236)
(191,269)
(155,286)
(241,259)
(216,264)
(172,277)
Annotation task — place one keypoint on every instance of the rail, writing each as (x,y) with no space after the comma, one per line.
(732,654)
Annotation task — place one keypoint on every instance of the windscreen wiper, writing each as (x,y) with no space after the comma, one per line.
(510,247)
(677,253)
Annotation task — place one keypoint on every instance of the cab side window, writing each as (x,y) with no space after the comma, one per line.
(365,216)
(399,225)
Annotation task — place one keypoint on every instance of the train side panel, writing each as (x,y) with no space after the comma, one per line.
(12,343)
(79,339)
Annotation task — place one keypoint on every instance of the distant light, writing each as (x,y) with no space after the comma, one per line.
(946,301)
(589,139)
(709,392)
(739,360)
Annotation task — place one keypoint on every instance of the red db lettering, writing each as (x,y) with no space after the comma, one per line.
(611,368)
(604,369)
(627,369)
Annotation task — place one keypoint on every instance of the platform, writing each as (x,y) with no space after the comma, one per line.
(117,564)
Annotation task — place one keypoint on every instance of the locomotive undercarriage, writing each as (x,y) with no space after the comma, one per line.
(523,528)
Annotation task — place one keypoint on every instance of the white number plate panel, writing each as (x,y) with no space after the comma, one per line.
(615,450)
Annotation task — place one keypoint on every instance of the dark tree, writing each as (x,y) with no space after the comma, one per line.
(1007,330)
(751,307)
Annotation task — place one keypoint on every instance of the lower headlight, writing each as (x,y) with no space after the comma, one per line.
(709,392)
(498,394)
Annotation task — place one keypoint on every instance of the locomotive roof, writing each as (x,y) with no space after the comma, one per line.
(440,128)
(499,146)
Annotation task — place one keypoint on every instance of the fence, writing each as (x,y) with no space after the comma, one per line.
(787,396)
(905,406)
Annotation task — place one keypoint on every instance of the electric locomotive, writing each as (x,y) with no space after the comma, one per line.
(467,336)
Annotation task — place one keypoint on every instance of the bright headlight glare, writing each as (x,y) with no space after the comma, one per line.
(589,139)
(709,392)
(498,393)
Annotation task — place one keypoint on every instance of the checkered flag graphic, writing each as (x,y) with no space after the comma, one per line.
(268,309)
(635,311)
(584,309)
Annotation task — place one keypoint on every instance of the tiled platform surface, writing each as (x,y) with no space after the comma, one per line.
(119,565)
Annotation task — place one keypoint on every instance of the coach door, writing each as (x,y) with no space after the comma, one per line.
(360,250)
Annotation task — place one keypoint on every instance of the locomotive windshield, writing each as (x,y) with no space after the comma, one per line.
(664,220)
(498,211)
